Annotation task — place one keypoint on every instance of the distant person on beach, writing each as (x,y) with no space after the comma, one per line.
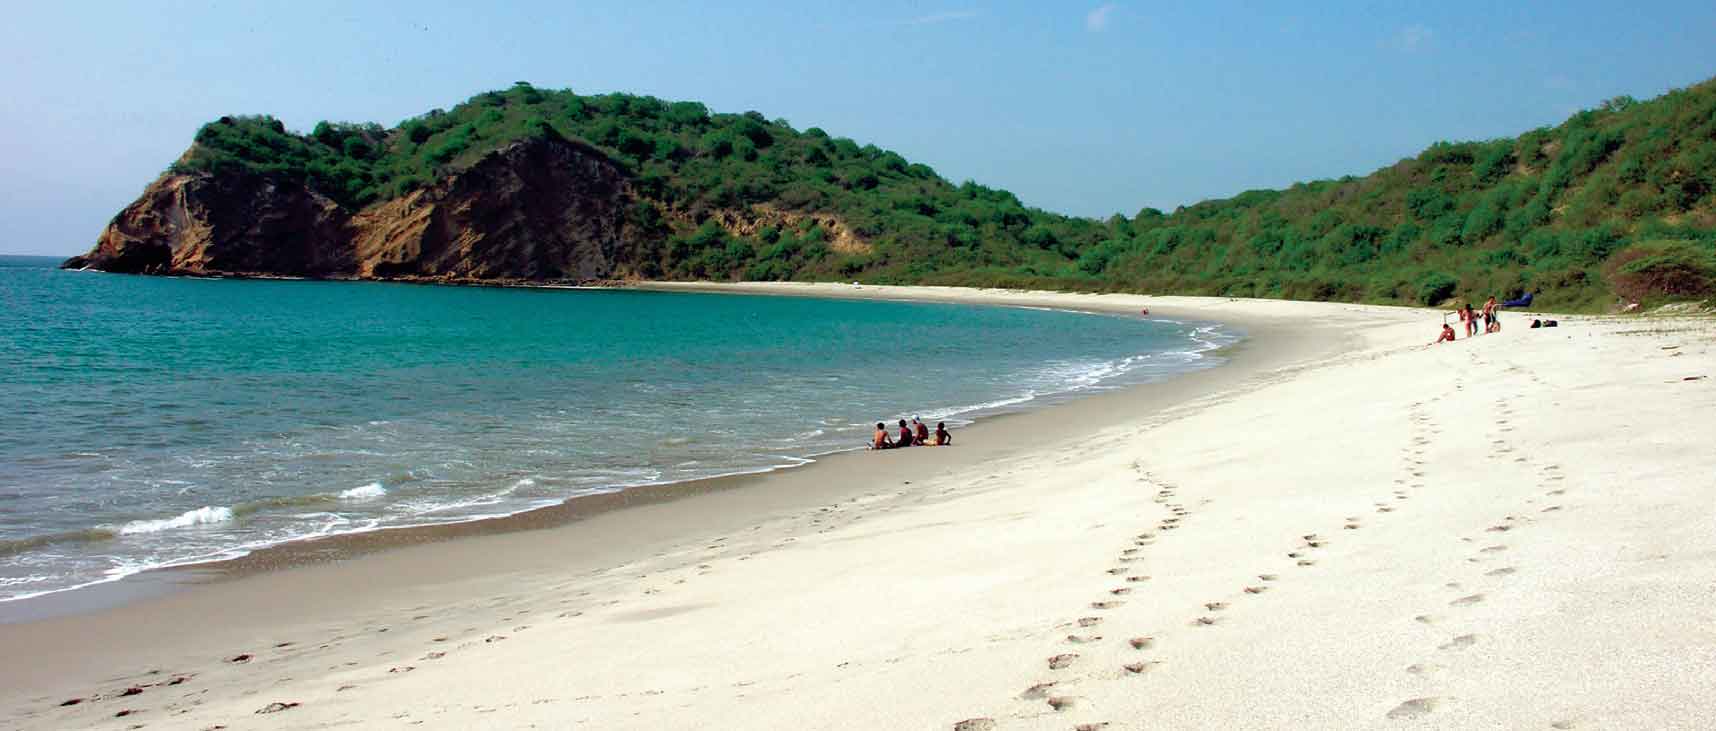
(1489,308)
(906,436)
(1471,320)
(881,440)
(1447,334)
(1492,323)
(922,435)
(942,437)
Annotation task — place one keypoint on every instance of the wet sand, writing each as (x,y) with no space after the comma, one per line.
(1221,537)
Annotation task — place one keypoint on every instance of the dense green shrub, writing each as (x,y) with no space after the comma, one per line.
(1435,287)
(1651,270)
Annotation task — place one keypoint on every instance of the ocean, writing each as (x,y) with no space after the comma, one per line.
(149,422)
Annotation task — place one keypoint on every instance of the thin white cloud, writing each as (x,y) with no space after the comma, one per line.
(1413,37)
(946,17)
(1096,21)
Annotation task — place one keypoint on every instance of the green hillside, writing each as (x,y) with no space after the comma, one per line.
(1616,201)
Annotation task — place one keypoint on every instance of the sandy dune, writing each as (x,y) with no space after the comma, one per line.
(1344,529)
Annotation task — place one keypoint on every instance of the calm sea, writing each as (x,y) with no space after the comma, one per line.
(147,422)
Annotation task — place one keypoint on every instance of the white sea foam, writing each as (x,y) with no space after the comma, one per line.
(365,492)
(201,516)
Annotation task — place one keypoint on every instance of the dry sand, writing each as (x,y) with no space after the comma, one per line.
(1342,528)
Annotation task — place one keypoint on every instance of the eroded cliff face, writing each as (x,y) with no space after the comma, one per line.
(537,211)
(206,224)
(544,209)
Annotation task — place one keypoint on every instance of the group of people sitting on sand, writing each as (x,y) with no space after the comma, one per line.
(1490,318)
(915,434)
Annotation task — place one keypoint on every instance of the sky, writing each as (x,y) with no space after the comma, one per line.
(1083,108)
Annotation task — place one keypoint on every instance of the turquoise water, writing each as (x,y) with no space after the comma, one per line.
(155,421)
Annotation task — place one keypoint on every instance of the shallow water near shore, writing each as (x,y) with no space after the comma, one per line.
(155,422)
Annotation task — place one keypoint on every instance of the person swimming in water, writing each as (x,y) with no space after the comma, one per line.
(942,437)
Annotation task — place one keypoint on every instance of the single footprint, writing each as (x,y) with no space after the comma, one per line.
(1037,692)
(1415,708)
(1493,549)
(1061,703)
(1424,668)
(1256,589)
(1139,668)
(1203,621)
(1089,621)
(1307,562)
(1268,577)
(1118,570)
(1460,643)
(1097,726)
(975,724)
(1466,601)
(1120,591)
(1501,571)
(1142,643)
(1111,604)
(1063,660)
(1215,606)
(1082,639)
(1137,578)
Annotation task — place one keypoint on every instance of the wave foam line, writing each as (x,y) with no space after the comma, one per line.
(206,515)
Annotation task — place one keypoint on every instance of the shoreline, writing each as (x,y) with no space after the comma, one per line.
(148,596)
(156,581)
(1341,527)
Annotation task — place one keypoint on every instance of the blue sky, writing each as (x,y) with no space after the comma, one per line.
(1084,108)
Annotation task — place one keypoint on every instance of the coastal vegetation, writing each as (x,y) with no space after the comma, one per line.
(1618,201)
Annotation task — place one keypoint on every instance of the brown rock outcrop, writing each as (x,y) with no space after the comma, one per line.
(542,209)
(539,211)
(204,224)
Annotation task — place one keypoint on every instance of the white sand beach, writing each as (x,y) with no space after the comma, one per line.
(1342,528)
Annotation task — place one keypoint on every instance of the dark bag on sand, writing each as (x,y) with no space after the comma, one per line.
(1536,324)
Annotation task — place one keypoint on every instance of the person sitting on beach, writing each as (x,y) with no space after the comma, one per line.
(1492,323)
(922,436)
(1447,334)
(942,437)
(881,440)
(906,436)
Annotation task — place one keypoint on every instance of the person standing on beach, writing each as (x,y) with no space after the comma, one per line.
(1471,319)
